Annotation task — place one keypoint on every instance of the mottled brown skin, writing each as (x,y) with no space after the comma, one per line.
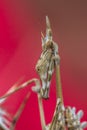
(46,64)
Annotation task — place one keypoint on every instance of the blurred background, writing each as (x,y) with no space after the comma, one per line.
(21,23)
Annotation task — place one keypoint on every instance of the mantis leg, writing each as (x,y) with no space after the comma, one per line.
(17,115)
(42,118)
(17,87)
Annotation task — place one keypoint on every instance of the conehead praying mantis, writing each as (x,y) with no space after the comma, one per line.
(64,118)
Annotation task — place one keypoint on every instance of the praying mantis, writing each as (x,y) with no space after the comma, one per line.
(64,118)
(45,66)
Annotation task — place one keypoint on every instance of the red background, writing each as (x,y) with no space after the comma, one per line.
(21,22)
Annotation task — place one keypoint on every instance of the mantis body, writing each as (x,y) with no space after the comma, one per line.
(64,118)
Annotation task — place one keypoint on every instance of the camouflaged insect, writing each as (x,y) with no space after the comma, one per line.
(46,63)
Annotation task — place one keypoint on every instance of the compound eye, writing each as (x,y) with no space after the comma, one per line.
(38,69)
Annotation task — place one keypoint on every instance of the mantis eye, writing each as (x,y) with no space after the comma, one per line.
(38,69)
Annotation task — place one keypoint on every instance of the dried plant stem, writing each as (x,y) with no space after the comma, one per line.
(43,124)
(17,115)
(58,84)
